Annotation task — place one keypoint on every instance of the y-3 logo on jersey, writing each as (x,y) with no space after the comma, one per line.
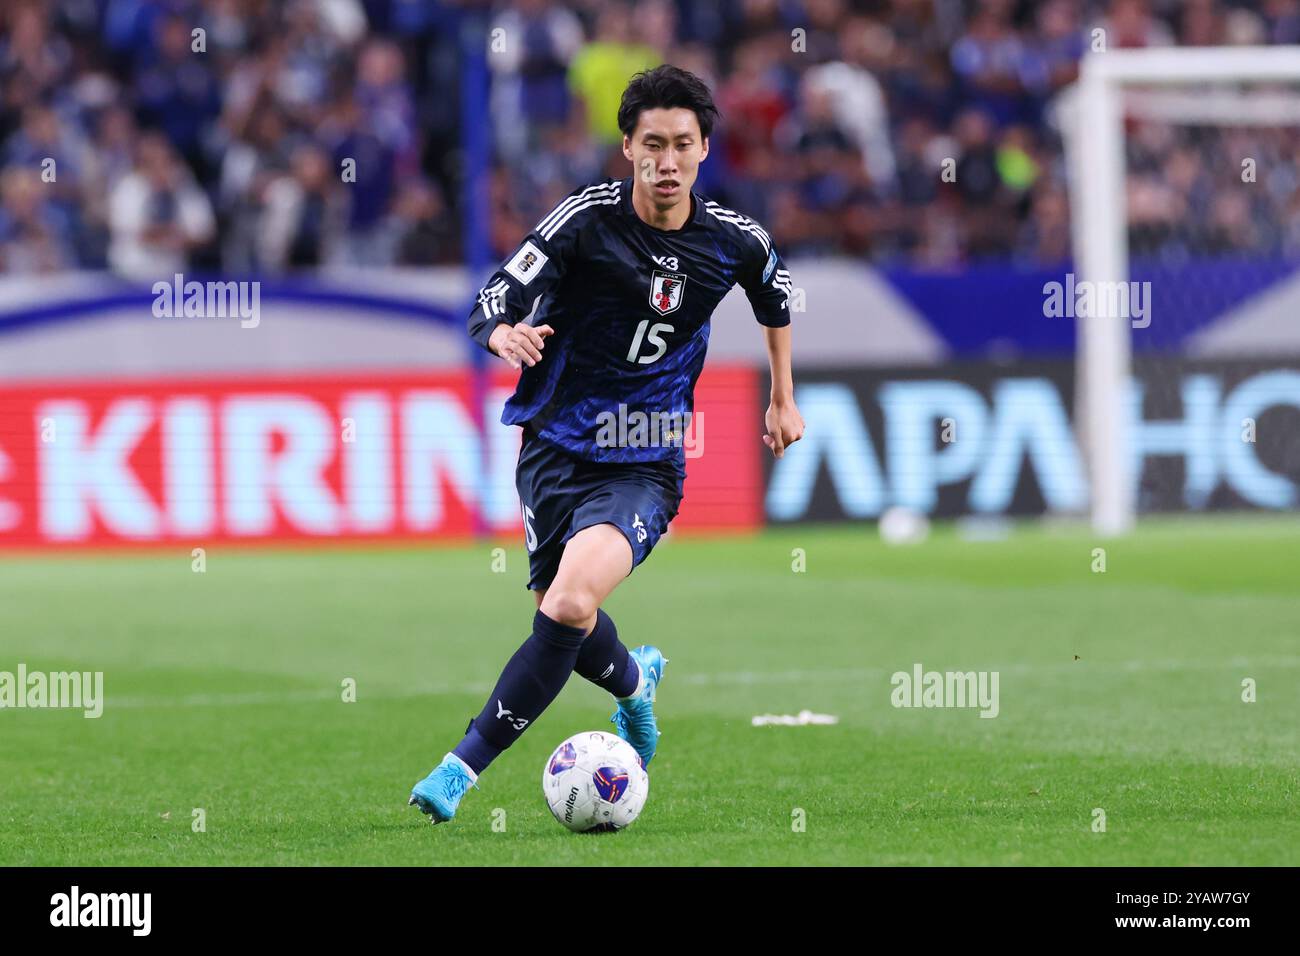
(666,290)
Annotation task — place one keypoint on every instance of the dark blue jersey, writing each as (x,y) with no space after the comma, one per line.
(630,306)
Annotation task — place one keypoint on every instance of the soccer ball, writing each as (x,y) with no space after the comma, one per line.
(594,781)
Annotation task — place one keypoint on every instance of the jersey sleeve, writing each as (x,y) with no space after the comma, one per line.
(767,282)
(535,268)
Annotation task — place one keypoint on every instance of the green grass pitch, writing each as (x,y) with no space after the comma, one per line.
(1119,690)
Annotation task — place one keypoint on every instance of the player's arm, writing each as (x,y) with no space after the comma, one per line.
(783,422)
(768,286)
(535,268)
(496,321)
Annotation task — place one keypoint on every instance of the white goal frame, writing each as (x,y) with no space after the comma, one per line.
(1095,152)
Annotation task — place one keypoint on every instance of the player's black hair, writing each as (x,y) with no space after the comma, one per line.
(666,87)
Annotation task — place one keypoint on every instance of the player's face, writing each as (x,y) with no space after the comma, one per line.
(666,150)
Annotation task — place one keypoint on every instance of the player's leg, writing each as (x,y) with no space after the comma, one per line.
(591,563)
(636,505)
(595,560)
(538,670)
(532,678)
(602,659)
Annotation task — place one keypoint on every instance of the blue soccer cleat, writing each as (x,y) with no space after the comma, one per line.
(635,717)
(439,793)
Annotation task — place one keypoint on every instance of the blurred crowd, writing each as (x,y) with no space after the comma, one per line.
(272,135)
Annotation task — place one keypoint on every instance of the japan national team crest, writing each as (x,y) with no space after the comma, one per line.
(666,290)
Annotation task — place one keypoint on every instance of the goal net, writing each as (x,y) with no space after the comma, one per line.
(1184,169)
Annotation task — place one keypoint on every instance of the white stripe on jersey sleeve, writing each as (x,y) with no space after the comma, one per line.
(568,204)
(784,283)
(558,224)
(739,218)
(489,291)
(750,227)
(490,297)
(745,225)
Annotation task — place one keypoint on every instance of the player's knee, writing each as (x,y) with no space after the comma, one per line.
(574,608)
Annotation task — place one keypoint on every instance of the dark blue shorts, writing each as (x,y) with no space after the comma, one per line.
(562,494)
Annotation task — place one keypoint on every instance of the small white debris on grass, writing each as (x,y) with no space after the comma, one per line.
(803,718)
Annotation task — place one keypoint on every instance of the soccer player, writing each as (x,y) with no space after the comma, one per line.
(629,273)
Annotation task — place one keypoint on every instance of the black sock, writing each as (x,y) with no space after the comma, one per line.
(604,660)
(532,678)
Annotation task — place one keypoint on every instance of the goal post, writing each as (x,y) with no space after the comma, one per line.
(1094,133)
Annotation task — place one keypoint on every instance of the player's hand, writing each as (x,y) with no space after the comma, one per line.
(784,427)
(520,344)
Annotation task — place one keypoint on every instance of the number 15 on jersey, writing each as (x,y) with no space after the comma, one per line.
(650,337)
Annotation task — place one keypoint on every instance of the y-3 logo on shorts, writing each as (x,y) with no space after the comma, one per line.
(518,723)
(640,528)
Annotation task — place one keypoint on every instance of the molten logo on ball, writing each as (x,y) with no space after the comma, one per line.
(595,782)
